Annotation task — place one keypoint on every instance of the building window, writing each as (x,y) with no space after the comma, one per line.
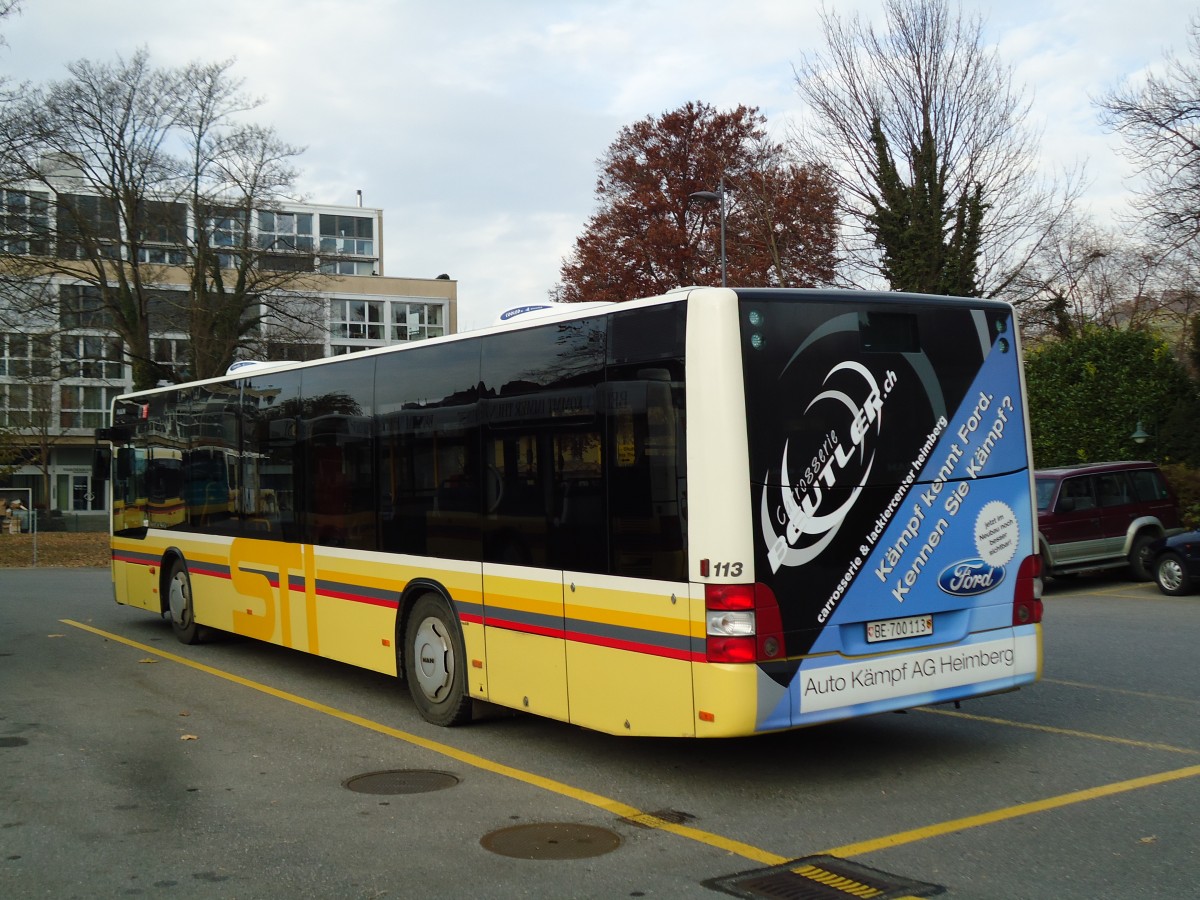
(171,353)
(417,321)
(285,232)
(80,306)
(85,406)
(91,356)
(226,232)
(357,319)
(87,227)
(24,405)
(163,233)
(168,311)
(25,222)
(287,239)
(161,256)
(347,266)
(26,356)
(293,351)
(347,235)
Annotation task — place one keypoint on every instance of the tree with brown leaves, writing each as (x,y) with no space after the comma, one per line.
(648,236)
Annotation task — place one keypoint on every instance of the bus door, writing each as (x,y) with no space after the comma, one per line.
(538,389)
(134,568)
(628,618)
(523,597)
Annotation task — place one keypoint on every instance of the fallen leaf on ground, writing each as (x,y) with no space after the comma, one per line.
(188,737)
(148,659)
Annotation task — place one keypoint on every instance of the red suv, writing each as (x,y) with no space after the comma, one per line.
(1103,516)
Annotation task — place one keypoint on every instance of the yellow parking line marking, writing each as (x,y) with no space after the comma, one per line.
(599,801)
(1131,590)
(1169,698)
(1011,812)
(624,810)
(1066,732)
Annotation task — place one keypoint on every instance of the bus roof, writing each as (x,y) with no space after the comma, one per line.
(532,314)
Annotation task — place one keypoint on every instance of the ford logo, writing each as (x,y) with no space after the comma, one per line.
(968,577)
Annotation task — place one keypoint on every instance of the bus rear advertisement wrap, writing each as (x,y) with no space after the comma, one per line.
(711,513)
(889,471)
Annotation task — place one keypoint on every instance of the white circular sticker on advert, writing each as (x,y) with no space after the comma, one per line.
(996,533)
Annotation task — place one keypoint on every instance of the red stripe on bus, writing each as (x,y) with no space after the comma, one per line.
(634,646)
(354,598)
(524,629)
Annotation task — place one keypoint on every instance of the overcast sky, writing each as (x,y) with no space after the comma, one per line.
(476,125)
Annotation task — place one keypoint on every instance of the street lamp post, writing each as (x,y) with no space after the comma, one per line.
(1140,436)
(718,197)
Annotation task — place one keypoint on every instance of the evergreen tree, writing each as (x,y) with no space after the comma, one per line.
(924,245)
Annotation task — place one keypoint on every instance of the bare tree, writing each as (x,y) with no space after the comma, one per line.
(1084,275)
(923,127)
(1160,121)
(135,176)
(234,172)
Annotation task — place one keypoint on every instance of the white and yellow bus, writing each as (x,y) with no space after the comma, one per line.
(716,512)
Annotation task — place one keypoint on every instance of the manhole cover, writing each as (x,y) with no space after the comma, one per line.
(13,741)
(551,840)
(401,781)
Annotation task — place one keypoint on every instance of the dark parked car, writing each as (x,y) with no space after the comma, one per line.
(1103,516)
(1176,563)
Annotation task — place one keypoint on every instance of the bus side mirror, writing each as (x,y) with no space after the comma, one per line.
(101,464)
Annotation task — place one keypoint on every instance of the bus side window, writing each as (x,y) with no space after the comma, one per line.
(646,472)
(546,502)
(429,467)
(271,404)
(336,454)
(125,456)
(646,466)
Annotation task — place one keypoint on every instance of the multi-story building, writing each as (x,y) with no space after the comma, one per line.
(61,368)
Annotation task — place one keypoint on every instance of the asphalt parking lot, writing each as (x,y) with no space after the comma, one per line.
(133,765)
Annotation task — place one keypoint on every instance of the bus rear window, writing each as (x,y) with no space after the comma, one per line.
(888,332)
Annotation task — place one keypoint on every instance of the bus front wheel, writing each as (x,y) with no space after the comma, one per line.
(181,608)
(434,662)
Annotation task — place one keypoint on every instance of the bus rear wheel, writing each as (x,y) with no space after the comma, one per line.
(180,606)
(434,662)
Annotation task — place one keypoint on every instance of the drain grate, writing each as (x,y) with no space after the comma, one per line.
(656,818)
(401,781)
(551,840)
(821,878)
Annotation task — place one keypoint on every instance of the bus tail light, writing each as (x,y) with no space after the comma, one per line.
(743,624)
(1027,597)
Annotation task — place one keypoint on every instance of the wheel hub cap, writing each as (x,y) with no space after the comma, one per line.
(178,600)
(434,660)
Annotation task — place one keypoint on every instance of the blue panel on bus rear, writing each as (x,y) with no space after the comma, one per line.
(953,533)
(896,488)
